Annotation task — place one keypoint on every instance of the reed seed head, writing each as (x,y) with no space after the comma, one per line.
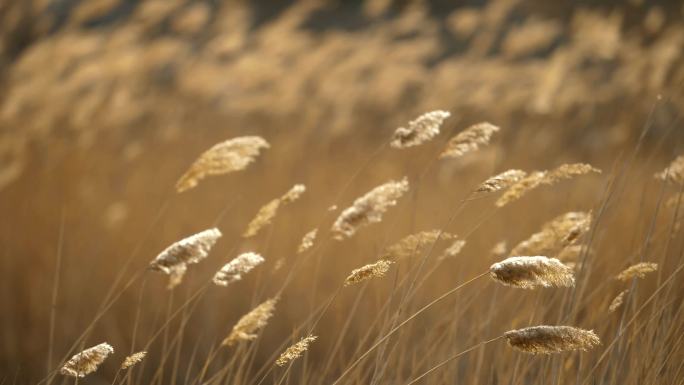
(569,171)
(307,241)
(369,208)
(454,249)
(674,173)
(189,251)
(247,327)
(558,233)
(501,181)
(532,272)
(225,157)
(267,212)
(133,359)
(617,301)
(552,339)
(87,361)
(414,244)
(469,140)
(374,270)
(295,351)
(637,271)
(233,270)
(522,187)
(420,130)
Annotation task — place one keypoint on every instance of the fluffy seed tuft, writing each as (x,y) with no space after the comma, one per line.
(674,173)
(374,270)
(551,339)
(247,327)
(420,130)
(295,351)
(637,271)
(233,270)
(413,244)
(532,272)
(133,359)
(87,361)
(617,301)
(267,212)
(501,181)
(307,241)
(469,140)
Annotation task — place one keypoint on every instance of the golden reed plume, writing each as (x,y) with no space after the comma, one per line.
(617,301)
(133,359)
(295,351)
(501,181)
(232,155)
(268,211)
(247,327)
(233,270)
(469,140)
(413,244)
(369,208)
(307,241)
(551,339)
(637,271)
(420,130)
(532,272)
(374,270)
(87,361)
(674,173)
(558,233)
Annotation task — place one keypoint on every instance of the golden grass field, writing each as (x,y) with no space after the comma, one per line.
(104,105)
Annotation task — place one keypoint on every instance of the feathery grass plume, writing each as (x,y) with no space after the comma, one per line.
(551,339)
(307,241)
(499,250)
(368,208)
(522,187)
(374,270)
(420,130)
(87,361)
(568,171)
(617,301)
(674,173)
(233,270)
(295,351)
(453,250)
(501,181)
(188,251)
(413,244)
(268,211)
(247,327)
(637,271)
(176,275)
(232,155)
(532,272)
(133,359)
(560,232)
(469,140)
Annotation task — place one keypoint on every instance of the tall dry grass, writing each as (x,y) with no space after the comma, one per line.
(397,285)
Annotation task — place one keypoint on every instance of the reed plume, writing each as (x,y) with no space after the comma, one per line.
(617,301)
(233,270)
(558,233)
(569,171)
(191,250)
(469,140)
(374,270)
(307,241)
(133,359)
(369,208)
(532,272)
(499,250)
(413,244)
(267,212)
(501,181)
(453,250)
(420,130)
(247,327)
(637,271)
(87,361)
(551,339)
(225,157)
(522,187)
(295,351)
(674,173)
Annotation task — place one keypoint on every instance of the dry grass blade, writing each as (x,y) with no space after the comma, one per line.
(674,173)
(133,359)
(369,208)
(469,140)
(414,243)
(247,327)
(552,339)
(420,130)
(501,181)
(233,270)
(87,361)
(374,270)
(268,211)
(295,351)
(532,272)
(232,155)
(637,271)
